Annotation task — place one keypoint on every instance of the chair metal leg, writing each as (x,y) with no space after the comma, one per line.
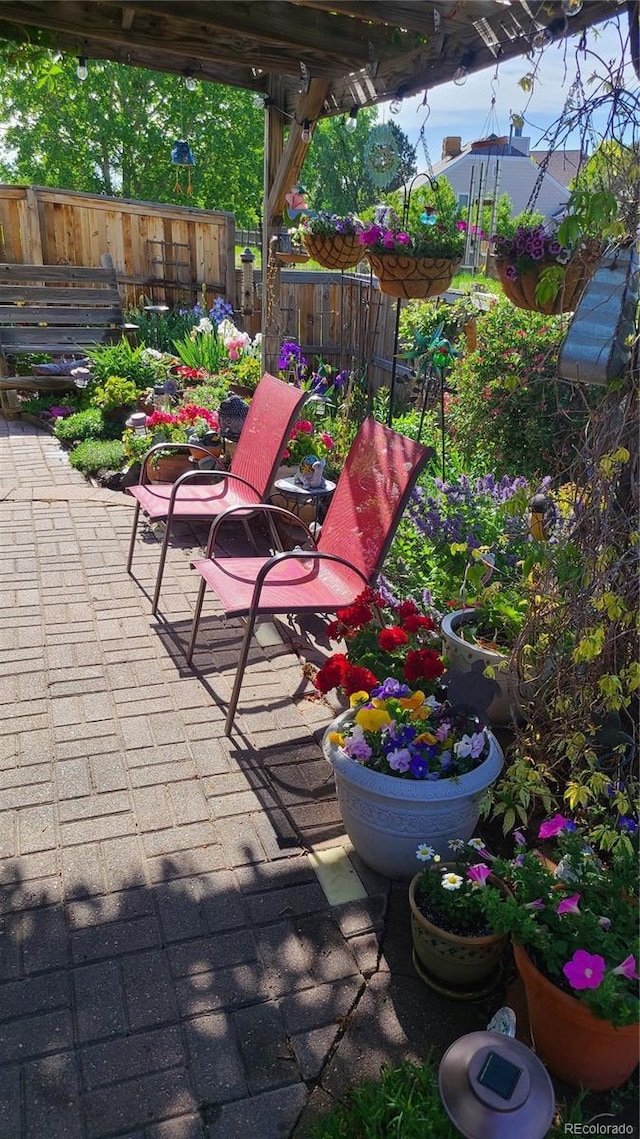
(134,531)
(250,537)
(196,620)
(163,558)
(242,660)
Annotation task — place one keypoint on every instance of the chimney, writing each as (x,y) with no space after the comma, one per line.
(451,146)
(521,144)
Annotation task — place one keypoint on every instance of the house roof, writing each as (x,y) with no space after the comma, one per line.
(563,165)
(365,51)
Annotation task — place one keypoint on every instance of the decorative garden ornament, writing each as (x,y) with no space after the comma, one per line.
(311,472)
(182,155)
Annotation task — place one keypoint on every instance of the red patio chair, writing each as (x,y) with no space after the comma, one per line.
(372,492)
(258,453)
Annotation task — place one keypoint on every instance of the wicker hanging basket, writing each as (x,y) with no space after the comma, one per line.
(577,273)
(336,251)
(412,278)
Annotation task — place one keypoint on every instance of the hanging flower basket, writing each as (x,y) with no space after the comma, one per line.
(334,251)
(521,289)
(412,278)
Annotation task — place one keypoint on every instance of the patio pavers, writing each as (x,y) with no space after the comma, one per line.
(169,963)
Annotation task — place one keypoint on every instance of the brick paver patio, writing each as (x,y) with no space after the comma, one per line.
(169,963)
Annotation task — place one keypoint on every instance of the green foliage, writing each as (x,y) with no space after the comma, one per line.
(115,392)
(87,424)
(210,394)
(161,329)
(97,454)
(404,1103)
(527,218)
(26,361)
(245,371)
(122,360)
(202,349)
(614,168)
(509,411)
(335,170)
(421,319)
(112,135)
(600,890)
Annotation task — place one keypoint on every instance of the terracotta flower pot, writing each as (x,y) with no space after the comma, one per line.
(455,965)
(522,290)
(168,468)
(336,251)
(575,1045)
(400,275)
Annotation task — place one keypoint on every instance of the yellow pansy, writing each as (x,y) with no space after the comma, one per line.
(377,703)
(422,713)
(372,719)
(413,701)
(358,698)
(426,738)
(336,738)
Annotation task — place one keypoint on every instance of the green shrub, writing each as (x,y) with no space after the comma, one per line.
(87,424)
(509,411)
(246,371)
(97,454)
(120,359)
(114,393)
(209,395)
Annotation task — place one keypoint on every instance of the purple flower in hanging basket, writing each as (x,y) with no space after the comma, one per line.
(511,272)
(536,250)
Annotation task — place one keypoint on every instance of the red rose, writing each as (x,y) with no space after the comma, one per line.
(422,664)
(390,639)
(332,673)
(359,679)
(416,621)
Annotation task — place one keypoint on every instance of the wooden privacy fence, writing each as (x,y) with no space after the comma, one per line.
(164,252)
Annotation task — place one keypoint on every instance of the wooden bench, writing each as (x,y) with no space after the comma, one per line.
(58,309)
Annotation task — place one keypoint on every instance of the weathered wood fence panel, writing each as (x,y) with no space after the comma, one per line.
(166,253)
(161,251)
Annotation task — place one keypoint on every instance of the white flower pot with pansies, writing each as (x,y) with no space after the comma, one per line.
(386,817)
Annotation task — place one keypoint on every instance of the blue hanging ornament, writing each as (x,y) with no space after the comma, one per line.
(428,217)
(182,155)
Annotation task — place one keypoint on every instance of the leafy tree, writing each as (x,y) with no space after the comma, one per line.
(112,134)
(615,168)
(335,171)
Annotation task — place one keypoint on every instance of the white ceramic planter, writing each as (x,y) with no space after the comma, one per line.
(462,655)
(386,818)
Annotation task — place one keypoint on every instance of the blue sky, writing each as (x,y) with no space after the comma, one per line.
(465,110)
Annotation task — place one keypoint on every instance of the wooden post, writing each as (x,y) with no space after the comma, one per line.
(274,124)
(231,287)
(282,166)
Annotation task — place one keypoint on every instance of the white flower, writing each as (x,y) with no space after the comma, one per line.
(451,881)
(455,844)
(204,325)
(150,355)
(424,852)
(476,844)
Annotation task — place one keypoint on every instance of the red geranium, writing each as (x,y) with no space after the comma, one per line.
(422,664)
(392,638)
(359,679)
(332,673)
(406,609)
(416,621)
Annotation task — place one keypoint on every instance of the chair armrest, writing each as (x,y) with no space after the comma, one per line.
(259,507)
(188,476)
(298,555)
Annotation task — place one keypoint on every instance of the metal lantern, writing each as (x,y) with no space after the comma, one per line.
(494,1087)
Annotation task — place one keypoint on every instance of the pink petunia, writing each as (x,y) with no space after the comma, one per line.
(627,968)
(570,905)
(538,904)
(327,440)
(552,827)
(584,970)
(304,425)
(403,239)
(478,874)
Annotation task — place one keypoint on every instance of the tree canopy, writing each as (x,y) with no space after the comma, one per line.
(113,132)
(335,171)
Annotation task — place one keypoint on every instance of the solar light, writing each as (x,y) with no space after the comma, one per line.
(491,1084)
(82,70)
(306,131)
(351,123)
